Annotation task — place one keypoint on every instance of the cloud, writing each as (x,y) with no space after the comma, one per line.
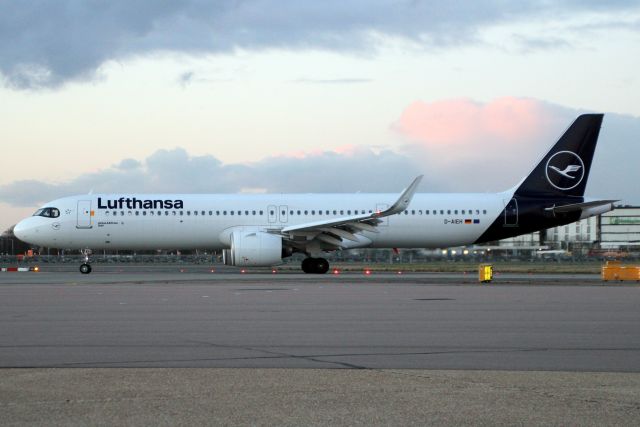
(465,145)
(456,122)
(47,43)
(175,171)
(460,145)
(186,78)
(461,139)
(341,81)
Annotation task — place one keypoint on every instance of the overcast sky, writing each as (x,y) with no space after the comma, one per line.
(332,96)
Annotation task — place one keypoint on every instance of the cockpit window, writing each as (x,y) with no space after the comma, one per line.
(48,212)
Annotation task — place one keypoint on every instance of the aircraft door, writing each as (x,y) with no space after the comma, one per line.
(383,207)
(83,219)
(511,213)
(272,212)
(282,212)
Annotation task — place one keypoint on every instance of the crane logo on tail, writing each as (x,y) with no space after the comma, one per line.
(565,170)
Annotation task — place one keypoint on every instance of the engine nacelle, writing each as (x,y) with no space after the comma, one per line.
(253,248)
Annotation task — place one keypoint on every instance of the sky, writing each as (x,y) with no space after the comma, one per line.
(289,96)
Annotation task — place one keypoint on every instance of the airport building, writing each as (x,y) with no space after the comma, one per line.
(616,230)
(620,228)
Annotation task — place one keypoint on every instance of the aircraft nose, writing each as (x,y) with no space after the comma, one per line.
(25,230)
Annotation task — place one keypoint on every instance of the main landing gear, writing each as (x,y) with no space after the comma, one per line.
(315,265)
(85,267)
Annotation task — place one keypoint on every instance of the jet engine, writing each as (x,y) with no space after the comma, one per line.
(253,248)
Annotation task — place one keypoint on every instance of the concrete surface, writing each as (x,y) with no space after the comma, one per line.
(409,349)
(315,397)
(417,321)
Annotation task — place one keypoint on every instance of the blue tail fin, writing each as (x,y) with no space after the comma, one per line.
(565,169)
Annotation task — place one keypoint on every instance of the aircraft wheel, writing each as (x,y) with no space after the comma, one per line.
(315,265)
(306,265)
(85,268)
(322,266)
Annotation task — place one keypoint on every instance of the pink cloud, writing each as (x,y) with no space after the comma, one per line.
(464,121)
(479,146)
(346,150)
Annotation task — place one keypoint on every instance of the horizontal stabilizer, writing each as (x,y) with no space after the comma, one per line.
(579,206)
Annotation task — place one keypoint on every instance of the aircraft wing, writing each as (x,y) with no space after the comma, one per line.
(335,231)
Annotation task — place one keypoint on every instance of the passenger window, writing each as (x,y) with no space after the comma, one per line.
(224,212)
(463,211)
(456,212)
(189,213)
(159,213)
(195,213)
(181,213)
(144,213)
(202,213)
(284,213)
(313,212)
(253,213)
(272,213)
(406,212)
(335,212)
(413,212)
(230,212)
(306,212)
(239,212)
(349,212)
(477,212)
(484,211)
(137,213)
(419,211)
(441,212)
(115,213)
(341,212)
(129,213)
(210,213)
(261,212)
(106,213)
(290,212)
(151,213)
(448,212)
(246,212)
(172,212)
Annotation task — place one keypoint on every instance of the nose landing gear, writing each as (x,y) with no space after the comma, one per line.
(315,265)
(85,267)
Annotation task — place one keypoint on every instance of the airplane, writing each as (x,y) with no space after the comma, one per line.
(263,229)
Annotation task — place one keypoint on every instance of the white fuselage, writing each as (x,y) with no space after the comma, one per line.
(107,221)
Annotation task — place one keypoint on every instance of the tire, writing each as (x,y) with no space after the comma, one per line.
(315,265)
(85,268)
(322,266)
(306,265)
